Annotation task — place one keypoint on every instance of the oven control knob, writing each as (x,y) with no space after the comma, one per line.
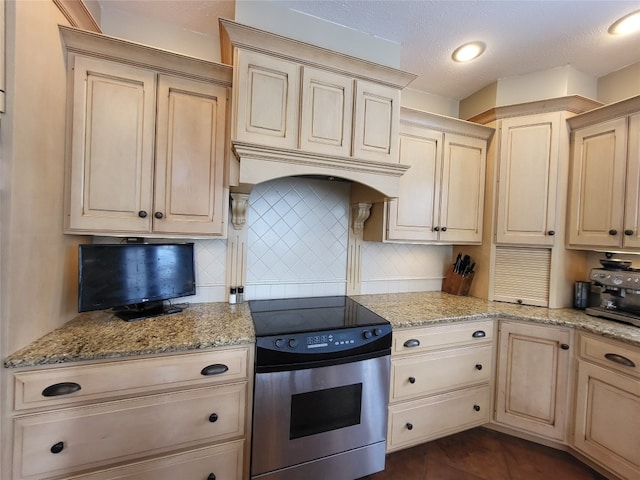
(366,334)
(293,343)
(617,280)
(377,332)
(279,343)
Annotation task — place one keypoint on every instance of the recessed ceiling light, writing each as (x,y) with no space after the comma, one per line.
(468,51)
(628,24)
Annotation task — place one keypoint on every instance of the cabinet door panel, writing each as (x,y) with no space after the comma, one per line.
(598,173)
(411,423)
(440,371)
(326,118)
(101,434)
(528,179)
(462,195)
(112,148)
(224,461)
(532,379)
(377,113)
(607,426)
(413,214)
(190,144)
(632,205)
(267,102)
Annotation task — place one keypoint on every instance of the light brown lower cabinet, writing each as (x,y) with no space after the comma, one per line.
(440,378)
(607,415)
(533,371)
(175,416)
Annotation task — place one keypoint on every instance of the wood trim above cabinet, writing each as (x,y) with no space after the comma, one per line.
(131,53)
(78,14)
(442,123)
(236,35)
(572,103)
(606,112)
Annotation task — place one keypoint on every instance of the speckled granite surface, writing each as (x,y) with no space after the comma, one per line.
(100,335)
(406,310)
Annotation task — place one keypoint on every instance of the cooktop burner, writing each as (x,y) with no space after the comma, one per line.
(298,315)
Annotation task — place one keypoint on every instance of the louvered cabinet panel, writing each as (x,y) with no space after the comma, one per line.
(522,275)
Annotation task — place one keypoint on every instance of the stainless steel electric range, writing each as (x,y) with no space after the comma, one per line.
(321,389)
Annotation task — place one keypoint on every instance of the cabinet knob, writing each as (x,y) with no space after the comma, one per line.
(479,334)
(57,448)
(213,417)
(444,229)
(142,214)
(476,408)
(211,477)
(436,229)
(564,346)
(214,369)
(158,215)
(478,366)
(412,343)
(551,233)
(57,389)
(412,379)
(409,426)
(613,232)
(628,232)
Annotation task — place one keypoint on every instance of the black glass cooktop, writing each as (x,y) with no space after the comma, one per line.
(311,314)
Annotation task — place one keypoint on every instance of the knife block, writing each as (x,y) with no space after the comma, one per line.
(456,284)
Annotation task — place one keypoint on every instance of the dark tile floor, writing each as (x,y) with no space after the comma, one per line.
(482,454)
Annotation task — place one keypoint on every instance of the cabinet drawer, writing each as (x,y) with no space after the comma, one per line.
(224,461)
(443,336)
(415,422)
(95,435)
(610,354)
(430,373)
(108,380)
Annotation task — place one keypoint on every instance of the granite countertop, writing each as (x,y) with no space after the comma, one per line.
(101,335)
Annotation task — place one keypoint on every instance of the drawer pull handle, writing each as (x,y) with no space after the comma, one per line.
(614,357)
(57,448)
(215,369)
(412,343)
(478,366)
(476,408)
(211,476)
(409,426)
(57,389)
(479,334)
(564,346)
(412,379)
(213,417)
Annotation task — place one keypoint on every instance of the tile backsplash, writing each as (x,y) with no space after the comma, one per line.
(297,246)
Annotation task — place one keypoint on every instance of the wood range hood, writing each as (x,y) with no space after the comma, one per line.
(302,110)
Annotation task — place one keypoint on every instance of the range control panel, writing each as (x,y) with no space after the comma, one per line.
(324,342)
(613,278)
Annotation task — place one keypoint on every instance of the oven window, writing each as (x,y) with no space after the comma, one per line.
(325,410)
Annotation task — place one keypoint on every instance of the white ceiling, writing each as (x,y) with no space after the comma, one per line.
(521,36)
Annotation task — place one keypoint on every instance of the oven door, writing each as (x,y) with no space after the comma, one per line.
(308,414)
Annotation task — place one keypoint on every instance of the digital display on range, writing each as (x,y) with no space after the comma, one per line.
(317,341)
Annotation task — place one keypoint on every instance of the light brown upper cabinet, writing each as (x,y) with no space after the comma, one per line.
(147,135)
(605,176)
(528,179)
(442,194)
(299,109)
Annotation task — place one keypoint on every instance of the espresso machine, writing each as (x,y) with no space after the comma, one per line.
(615,293)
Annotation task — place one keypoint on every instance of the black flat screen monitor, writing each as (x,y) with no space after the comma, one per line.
(134,279)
